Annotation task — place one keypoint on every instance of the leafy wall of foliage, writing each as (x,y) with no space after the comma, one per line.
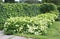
(8,10)
(58,7)
(57,2)
(29,25)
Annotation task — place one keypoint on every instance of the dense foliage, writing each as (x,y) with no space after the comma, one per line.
(27,18)
(47,7)
(17,9)
(58,8)
(57,2)
(26,25)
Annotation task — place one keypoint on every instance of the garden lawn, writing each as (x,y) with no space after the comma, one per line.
(53,33)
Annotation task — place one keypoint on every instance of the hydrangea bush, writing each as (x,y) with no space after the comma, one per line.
(29,25)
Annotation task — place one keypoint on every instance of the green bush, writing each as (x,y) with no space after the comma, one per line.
(24,25)
(49,18)
(12,10)
(1,26)
(27,25)
(47,7)
(8,10)
(58,7)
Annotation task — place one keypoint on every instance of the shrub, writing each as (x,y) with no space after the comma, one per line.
(8,10)
(58,19)
(12,10)
(58,7)
(47,7)
(1,26)
(49,18)
(18,9)
(26,25)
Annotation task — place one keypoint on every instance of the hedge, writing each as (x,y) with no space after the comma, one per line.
(47,7)
(58,8)
(29,25)
(8,10)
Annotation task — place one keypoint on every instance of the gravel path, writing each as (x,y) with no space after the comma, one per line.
(2,36)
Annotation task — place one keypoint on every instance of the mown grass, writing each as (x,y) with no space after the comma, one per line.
(53,33)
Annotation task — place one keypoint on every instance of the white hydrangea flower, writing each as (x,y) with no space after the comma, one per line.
(43,28)
(20,28)
(17,25)
(36,33)
(30,29)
